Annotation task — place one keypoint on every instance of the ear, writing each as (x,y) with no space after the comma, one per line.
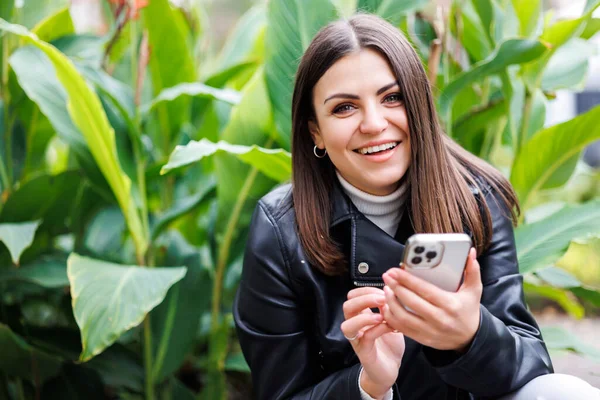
(316,134)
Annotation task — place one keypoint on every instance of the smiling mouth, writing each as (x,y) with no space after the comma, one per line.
(377,149)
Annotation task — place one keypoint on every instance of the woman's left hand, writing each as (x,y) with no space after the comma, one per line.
(439,319)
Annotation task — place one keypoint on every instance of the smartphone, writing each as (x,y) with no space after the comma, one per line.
(439,258)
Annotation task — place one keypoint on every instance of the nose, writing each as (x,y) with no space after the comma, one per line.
(374,120)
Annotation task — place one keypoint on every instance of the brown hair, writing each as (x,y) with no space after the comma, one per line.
(441,201)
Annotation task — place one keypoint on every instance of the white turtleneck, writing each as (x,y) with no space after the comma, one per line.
(383,211)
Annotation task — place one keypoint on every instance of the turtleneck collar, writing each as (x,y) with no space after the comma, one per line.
(383,211)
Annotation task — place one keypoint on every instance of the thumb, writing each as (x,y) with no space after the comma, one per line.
(472,271)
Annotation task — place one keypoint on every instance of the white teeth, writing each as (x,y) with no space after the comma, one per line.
(376,149)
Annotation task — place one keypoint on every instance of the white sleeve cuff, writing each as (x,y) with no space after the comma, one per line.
(364,396)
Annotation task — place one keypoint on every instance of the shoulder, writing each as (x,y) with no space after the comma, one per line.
(278,203)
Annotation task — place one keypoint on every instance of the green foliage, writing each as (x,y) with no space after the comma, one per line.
(126,159)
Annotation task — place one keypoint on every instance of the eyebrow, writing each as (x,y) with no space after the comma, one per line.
(355,97)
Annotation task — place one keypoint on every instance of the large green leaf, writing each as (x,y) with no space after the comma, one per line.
(195,89)
(55,25)
(391,10)
(241,43)
(109,299)
(557,338)
(567,68)
(562,296)
(183,206)
(22,360)
(541,243)
(48,271)
(46,197)
(18,237)
(42,86)
(551,149)
(34,11)
(274,163)
(510,52)
(88,115)
(175,321)
(529,13)
(171,63)
(6,9)
(474,34)
(291,27)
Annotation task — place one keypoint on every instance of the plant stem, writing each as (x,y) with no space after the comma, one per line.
(148,358)
(20,391)
(525,124)
(6,168)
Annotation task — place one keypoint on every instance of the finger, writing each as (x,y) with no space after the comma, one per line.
(363,291)
(399,318)
(356,305)
(472,271)
(428,291)
(369,336)
(351,327)
(420,306)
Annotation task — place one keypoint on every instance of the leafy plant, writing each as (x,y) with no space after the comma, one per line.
(137,149)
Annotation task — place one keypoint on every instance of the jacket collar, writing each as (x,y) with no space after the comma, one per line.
(370,250)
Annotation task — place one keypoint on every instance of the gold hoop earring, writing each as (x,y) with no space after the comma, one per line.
(317,155)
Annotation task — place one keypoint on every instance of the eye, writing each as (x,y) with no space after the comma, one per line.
(343,108)
(393,98)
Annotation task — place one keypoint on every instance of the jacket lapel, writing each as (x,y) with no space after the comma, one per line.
(370,251)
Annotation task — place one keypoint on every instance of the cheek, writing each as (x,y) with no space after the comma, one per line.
(337,134)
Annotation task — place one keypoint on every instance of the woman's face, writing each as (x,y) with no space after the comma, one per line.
(361,121)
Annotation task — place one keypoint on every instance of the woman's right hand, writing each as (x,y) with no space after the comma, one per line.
(378,347)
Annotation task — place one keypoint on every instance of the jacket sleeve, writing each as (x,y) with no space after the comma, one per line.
(507,350)
(271,325)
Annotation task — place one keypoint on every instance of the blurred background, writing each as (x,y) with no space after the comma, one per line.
(137,135)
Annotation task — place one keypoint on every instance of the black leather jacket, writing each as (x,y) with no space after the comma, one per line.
(288,314)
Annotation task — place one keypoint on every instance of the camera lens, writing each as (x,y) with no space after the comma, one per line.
(419,249)
(431,254)
(416,260)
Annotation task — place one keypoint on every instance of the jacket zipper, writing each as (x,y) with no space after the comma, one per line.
(356,283)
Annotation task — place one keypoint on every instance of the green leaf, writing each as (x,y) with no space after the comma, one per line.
(175,321)
(485,11)
(109,299)
(88,115)
(34,11)
(591,295)
(567,68)
(391,10)
(241,43)
(119,368)
(551,149)
(558,338)
(55,25)
(171,63)
(510,52)
(237,362)
(469,127)
(18,237)
(6,9)
(528,12)
(475,37)
(562,296)
(48,271)
(195,89)
(542,243)
(558,277)
(183,207)
(591,28)
(46,197)
(274,163)
(22,360)
(104,234)
(42,86)
(291,26)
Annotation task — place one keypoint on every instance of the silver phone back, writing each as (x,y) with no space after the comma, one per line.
(446,269)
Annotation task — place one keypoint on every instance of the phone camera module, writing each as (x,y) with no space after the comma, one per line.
(416,260)
(419,249)
(431,254)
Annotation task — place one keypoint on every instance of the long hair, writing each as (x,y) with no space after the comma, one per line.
(439,173)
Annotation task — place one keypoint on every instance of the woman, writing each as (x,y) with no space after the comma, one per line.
(371,166)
